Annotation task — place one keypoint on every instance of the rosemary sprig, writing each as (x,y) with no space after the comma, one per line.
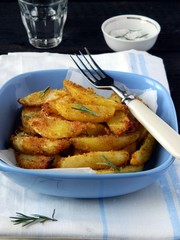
(34,218)
(43,92)
(27,116)
(110,164)
(82,108)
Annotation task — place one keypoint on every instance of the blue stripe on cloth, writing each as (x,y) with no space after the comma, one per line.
(144,69)
(133,62)
(175,181)
(104,219)
(175,221)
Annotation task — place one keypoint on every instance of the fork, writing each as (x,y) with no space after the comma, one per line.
(158,128)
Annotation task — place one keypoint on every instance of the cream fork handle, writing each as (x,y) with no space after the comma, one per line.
(159,129)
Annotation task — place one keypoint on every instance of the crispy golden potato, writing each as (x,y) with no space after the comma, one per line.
(29,112)
(38,98)
(104,143)
(135,125)
(143,154)
(33,161)
(119,123)
(131,148)
(126,169)
(48,109)
(39,146)
(116,98)
(26,114)
(75,127)
(56,127)
(143,133)
(78,112)
(95,129)
(88,96)
(120,106)
(131,168)
(94,160)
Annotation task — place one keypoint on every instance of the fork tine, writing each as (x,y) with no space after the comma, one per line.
(95,70)
(92,76)
(95,64)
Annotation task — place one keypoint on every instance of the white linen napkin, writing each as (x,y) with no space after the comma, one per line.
(152,213)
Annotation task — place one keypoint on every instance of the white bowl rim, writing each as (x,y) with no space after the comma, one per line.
(138,17)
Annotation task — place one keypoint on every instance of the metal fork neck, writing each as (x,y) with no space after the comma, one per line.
(128,98)
(124,95)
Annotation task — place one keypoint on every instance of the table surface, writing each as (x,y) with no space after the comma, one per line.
(83,28)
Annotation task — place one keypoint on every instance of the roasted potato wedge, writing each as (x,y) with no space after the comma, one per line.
(94,160)
(143,154)
(38,145)
(89,97)
(120,106)
(126,169)
(33,161)
(95,129)
(131,148)
(38,98)
(55,127)
(104,143)
(79,112)
(119,123)
(26,114)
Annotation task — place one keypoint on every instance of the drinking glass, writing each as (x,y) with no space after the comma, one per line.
(44,21)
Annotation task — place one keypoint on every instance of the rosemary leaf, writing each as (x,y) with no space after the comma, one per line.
(34,218)
(110,164)
(82,108)
(43,92)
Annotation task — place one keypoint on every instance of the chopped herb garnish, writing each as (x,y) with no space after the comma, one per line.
(34,218)
(27,116)
(43,92)
(110,164)
(82,108)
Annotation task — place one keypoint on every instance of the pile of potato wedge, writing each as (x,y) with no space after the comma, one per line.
(74,127)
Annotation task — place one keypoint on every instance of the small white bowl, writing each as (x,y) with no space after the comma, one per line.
(125,32)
